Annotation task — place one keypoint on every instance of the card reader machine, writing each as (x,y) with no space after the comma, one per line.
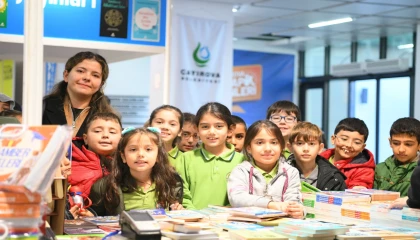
(139,225)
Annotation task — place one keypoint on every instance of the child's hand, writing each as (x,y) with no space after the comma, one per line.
(399,203)
(176,206)
(77,212)
(359,187)
(278,206)
(294,209)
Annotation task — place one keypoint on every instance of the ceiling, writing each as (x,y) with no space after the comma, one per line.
(285,22)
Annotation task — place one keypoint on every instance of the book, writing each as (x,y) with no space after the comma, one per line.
(186,215)
(83,231)
(256,212)
(182,228)
(238,226)
(104,221)
(204,234)
(78,223)
(376,195)
(255,235)
(338,198)
(307,188)
(313,226)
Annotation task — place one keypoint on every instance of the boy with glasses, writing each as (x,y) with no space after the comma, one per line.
(394,174)
(350,155)
(285,115)
(188,138)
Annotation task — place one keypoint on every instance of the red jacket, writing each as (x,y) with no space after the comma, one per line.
(86,168)
(360,170)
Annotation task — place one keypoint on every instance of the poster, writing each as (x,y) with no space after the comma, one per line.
(259,80)
(114,16)
(146,20)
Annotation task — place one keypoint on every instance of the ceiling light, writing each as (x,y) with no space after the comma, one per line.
(332,22)
(405,46)
(235,8)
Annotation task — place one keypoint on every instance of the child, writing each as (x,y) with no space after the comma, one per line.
(12,113)
(206,168)
(92,154)
(141,176)
(188,139)
(394,174)
(238,136)
(6,103)
(350,155)
(285,115)
(169,120)
(414,195)
(265,180)
(306,143)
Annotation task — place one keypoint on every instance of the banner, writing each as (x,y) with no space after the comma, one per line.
(50,70)
(198,67)
(259,80)
(7,85)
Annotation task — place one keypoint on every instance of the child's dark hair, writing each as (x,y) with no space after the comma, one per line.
(352,125)
(170,108)
(256,127)
(189,118)
(107,116)
(306,131)
(286,106)
(10,113)
(238,120)
(163,174)
(407,125)
(217,109)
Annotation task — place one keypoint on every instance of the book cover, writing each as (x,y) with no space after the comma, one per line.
(377,195)
(83,231)
(77,223)
(238,226)
(203,234)
(187,215)
(256,212)
(338,198)
(106,220)
(255,235)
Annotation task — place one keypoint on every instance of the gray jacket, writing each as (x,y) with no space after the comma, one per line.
(262,193)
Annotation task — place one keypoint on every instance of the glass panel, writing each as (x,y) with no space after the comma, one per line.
(368,49)
(394,103)
(400,46)
(313,106)
(340,54)
(337,104)
(363,106)
(314,62)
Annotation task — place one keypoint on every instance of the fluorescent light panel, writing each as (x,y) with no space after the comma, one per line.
(332,22)
(406,46)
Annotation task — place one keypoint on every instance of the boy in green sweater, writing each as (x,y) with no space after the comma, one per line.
(394,174)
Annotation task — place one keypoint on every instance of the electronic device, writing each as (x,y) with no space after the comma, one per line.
(139,225)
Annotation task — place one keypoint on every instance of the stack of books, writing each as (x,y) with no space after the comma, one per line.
(254,214)
(376,195)
(179,229)
(309,201)
(378,232)
(328,204)
(410,217)
(356,211)
(310,229)
(255,235)
(380,213)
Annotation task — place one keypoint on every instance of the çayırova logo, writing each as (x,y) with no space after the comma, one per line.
(201,55)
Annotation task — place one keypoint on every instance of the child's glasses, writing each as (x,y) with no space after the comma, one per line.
(347,141)
(278,118)
(187,135)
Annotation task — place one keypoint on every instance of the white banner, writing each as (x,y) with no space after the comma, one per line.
(199,70)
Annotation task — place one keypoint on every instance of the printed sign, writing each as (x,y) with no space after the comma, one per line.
(3,13)
(246,83)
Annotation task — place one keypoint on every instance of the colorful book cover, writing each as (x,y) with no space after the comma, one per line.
(106,220)
(185,214)
(238,226)
(307,188)
(377,195)
(338,198)
(256,212)
(78,231)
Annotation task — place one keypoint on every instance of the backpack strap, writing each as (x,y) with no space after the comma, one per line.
(251,187)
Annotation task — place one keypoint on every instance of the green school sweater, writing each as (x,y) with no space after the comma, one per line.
(205,176)
(174,155)
(391,175)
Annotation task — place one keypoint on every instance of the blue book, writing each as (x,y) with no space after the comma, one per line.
(256,212)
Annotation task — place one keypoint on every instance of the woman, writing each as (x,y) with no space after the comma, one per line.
(80,94)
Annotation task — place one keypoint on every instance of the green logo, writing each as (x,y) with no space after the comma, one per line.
(201,55)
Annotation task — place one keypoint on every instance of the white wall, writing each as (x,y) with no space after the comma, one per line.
(417,77)
(129,78)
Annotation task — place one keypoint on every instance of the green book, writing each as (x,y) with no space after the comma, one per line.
(306,187)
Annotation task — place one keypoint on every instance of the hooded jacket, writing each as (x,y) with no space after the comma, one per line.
(413,192)
(360,170)
(329,177)
(391,175)
(86,167)
(262,192)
